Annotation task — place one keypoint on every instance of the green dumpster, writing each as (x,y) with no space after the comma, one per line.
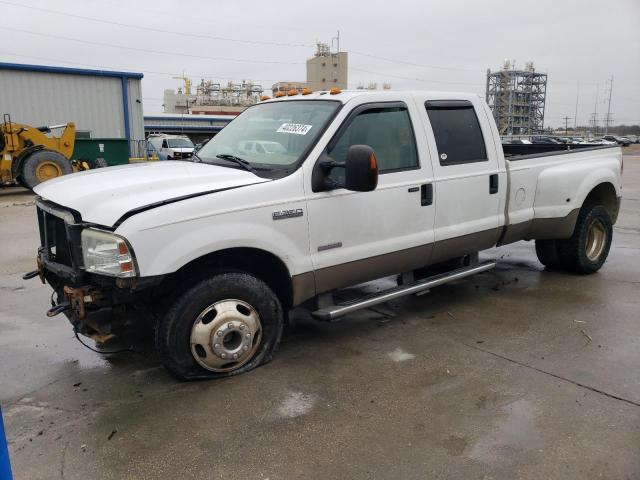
(115,151)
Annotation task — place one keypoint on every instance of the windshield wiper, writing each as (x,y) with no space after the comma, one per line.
(237,160)
(240,161)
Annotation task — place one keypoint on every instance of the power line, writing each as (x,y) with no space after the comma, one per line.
(156,30)
(147,50)
(422,65)
(203,20)
(121,68)
(413,78)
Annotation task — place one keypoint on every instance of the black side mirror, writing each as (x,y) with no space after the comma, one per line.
(361,171)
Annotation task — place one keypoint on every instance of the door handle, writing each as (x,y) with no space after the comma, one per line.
(493,183)
(426,194)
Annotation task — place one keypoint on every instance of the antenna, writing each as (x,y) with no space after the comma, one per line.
(336,40)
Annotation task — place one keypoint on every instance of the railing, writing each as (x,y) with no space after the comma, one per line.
(139,152)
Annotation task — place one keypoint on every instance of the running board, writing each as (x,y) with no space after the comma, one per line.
(333,312)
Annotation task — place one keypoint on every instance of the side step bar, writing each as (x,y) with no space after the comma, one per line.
(333,312)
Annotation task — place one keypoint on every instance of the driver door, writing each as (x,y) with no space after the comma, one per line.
(358,236)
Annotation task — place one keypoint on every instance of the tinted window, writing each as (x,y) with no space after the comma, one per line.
(457,132)
(388,131)
(164,144)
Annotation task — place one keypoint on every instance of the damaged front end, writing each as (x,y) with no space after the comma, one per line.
(92,272)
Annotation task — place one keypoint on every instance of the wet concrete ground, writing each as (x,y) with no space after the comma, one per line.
(516,373)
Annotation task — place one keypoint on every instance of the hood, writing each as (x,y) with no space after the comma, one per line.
(104,195)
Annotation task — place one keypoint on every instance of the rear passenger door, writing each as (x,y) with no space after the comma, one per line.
(468,181)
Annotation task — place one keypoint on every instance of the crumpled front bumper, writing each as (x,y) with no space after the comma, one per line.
(96,305)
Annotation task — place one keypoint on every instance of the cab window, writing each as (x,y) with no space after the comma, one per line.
(387,130)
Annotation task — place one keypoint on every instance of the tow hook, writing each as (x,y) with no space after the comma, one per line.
(30,275)
(74,299)
(61,307)
(36,273)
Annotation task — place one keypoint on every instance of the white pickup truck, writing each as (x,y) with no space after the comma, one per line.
(362,185)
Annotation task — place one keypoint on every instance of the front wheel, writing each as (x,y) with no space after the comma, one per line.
(587,249)
(222,326)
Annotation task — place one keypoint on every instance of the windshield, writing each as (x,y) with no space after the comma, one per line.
(179,143)
(272,137)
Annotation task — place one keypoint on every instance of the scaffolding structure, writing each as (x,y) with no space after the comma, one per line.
(242,94)
(517,99)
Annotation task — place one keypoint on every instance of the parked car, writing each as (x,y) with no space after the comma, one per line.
(172,147)
(602,141)
(369,184)
(545,140)
(579,141)
(625,142)
(261,147)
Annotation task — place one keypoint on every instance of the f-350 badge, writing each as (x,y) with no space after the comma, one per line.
(282,214)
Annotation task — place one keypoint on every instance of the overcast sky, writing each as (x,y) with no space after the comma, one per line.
(433,45)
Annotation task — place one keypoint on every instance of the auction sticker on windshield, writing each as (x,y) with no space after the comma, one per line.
(297,128)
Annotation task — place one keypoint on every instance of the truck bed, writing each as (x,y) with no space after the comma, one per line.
(547,189)
(513,151)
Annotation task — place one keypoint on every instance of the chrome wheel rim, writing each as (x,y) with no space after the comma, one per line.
(596,239)
(225,335)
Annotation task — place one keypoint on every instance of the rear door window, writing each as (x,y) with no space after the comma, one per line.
(457,132)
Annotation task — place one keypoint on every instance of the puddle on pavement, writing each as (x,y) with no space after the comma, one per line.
(296,404)
(516,431)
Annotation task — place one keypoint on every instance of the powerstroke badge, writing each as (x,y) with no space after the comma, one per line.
(282,214)
(296,128)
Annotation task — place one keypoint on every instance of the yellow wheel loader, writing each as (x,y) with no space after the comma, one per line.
(30,157)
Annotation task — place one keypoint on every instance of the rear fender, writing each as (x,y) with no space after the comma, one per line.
(563,189)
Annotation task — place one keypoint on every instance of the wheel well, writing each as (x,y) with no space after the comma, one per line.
(16,166)
(605,195)
(264,265)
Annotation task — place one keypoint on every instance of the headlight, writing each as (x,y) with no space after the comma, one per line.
(107,254)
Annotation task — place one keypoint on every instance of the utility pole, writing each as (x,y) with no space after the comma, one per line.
(566,125)
(575,115)
(595,111)
(606,125)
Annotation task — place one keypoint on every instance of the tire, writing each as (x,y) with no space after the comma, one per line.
(547,252)
(224,306)
(43,165)
(587,249)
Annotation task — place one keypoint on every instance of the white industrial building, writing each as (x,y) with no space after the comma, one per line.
(107,104)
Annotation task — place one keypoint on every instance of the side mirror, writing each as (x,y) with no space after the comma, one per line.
(361,169)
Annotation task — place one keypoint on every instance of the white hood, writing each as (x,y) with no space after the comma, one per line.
(104,195)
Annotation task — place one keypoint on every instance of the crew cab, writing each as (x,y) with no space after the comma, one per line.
(361,185)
